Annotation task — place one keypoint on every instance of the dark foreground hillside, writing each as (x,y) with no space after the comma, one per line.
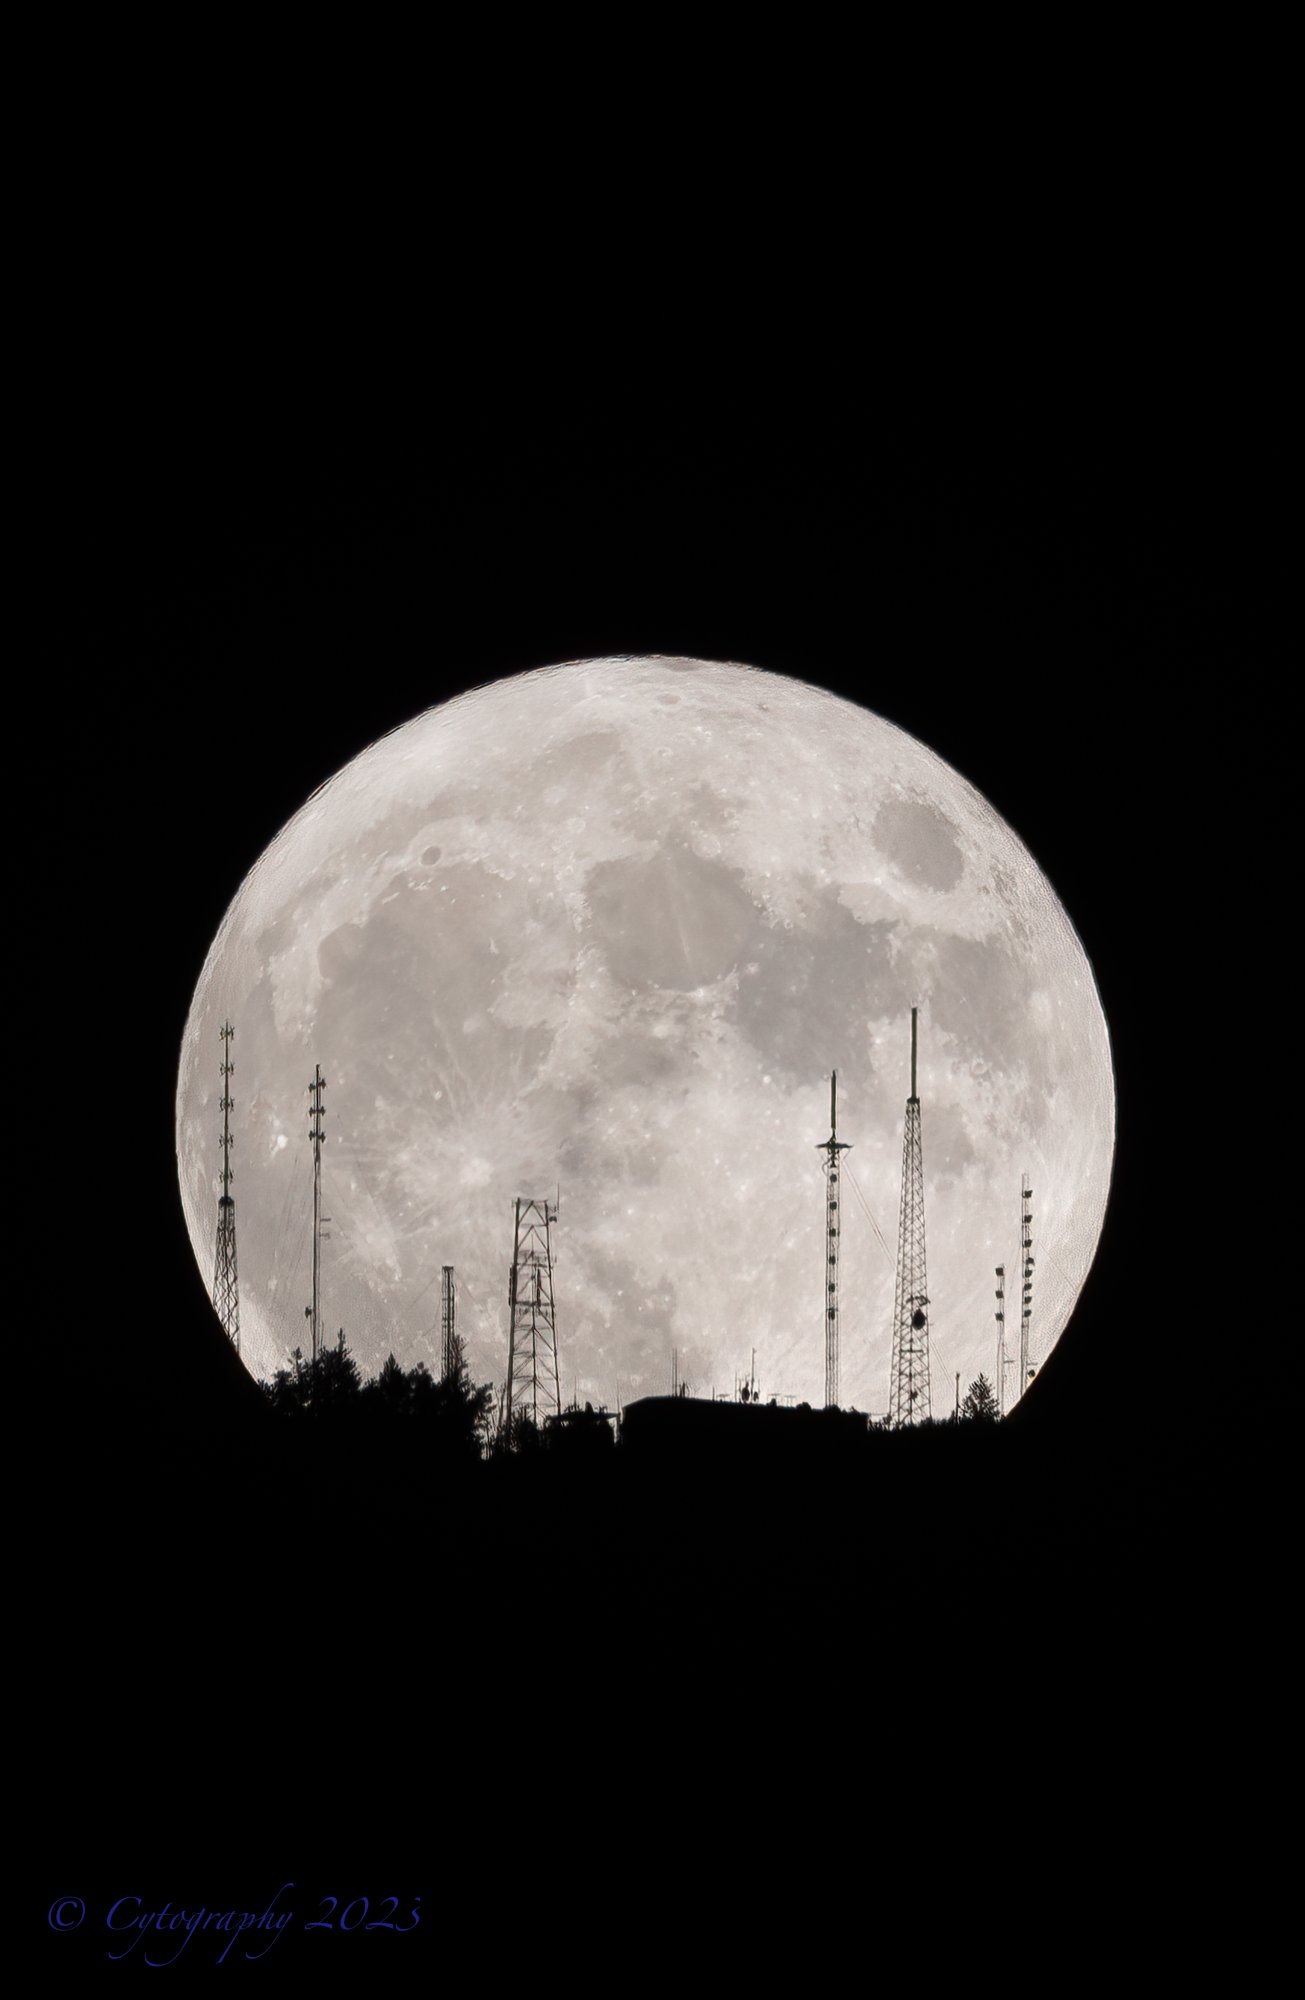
(237,1561)
(315,1652)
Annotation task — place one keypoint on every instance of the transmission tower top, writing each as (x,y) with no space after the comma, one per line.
(316,1109)
(915,1014)
(228,1067)
(833,1111)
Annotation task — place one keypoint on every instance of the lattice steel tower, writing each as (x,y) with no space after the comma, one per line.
(533,1383)
(226,1289)
(317,1135)
(450,1345)
(1026,1278)
(908,1383)
(831,1148)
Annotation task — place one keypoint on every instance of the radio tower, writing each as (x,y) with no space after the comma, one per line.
(831,1148)
(226,1291)
(1002,1362)
(450,1345)
(1026,1278)
(533,1383)
(316,1116)
(908,1383)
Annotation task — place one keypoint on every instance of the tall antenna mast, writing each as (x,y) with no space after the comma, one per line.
(316,1116)
(533,1384)
(450,1345)
(908,1383)
(226,1290)
(1002,1363)
(831,1148)
(1026,1278)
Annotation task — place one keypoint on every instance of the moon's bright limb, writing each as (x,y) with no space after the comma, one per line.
(610,925)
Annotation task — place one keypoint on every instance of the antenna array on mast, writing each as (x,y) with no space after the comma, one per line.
(1026,1279)
(831,1148)
(317,1135)
(226,1289)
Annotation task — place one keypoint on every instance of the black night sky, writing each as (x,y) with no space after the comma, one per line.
(1046,536)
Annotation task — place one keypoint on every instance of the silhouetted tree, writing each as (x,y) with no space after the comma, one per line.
(453,1416)
(289,1390)
(331,1382)
(391,1390)
(336,1380)
(424,1397)
(523,1435)
(980,1405)
(465,1410)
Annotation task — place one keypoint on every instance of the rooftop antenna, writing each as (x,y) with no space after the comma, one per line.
(831,1148)
(226,1289)
(908,1383)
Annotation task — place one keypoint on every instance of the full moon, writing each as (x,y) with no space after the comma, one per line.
(601,932)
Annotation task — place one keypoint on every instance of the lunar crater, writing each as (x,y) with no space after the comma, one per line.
(676,919)
(921,841)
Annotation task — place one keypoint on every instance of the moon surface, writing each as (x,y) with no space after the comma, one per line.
(606,928)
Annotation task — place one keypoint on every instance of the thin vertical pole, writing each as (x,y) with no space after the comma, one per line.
(226,1288)
(1026,1278)
(317,1135)
(831,1148)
